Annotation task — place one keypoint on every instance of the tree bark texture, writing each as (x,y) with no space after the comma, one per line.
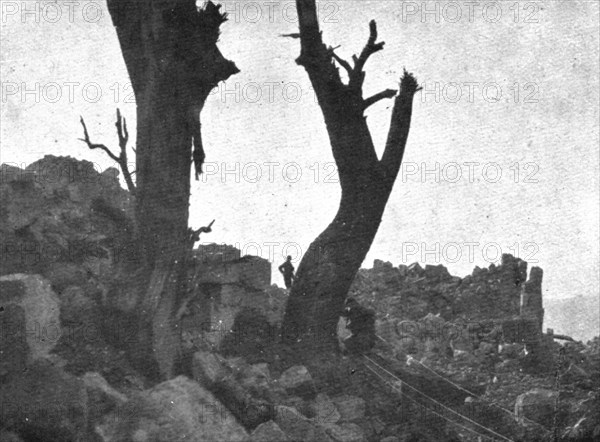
(170,50)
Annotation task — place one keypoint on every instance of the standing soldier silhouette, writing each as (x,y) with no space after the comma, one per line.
(287,270)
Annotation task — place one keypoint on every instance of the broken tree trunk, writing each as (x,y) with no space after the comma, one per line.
(332,260)
(170,50)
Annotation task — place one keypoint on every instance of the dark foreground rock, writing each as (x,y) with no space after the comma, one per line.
(298,427)
(45,403)
(29,321)
(175,410)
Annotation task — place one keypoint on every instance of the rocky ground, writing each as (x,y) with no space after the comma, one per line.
(67,371)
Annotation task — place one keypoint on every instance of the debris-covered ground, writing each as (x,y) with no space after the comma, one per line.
(456,358)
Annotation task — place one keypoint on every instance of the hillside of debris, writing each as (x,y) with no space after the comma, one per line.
(457,358)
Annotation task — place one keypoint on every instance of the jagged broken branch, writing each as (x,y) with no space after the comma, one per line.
(388,93)
(121,159)
(356,75)
(399,126)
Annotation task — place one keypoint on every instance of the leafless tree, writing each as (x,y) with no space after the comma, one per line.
(170,50)
(328,268)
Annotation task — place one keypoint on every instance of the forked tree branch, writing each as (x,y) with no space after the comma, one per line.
(94,145)
(343,63)
(121,160)
(358,76)
(353,152)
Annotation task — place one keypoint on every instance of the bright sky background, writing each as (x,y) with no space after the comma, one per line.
(541,57)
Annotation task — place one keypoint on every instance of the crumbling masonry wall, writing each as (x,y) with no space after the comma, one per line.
(499,293)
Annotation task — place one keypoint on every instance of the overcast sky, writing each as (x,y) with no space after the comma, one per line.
(506,128)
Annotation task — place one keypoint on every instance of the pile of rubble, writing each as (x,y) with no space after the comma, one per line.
(65,374)
(221,399)
(485,330)
(63,220)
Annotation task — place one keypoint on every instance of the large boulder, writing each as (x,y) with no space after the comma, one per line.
(256,379)
(102,398)
(297,380)
(243,388)
(45,403)
(250,336)
(537,405)
(208,368)
(29,320)
(175,410)
(345,432)
(268,432)
(324,410)
(351,408)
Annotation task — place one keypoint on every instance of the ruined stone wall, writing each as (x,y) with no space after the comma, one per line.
(500,292)
(224,284)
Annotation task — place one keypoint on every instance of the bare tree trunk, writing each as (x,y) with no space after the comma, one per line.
(170,50)
(330,265)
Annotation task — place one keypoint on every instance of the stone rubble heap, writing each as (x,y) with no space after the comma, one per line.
(66,372)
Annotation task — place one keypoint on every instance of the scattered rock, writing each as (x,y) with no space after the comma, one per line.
(299,404)
(537,405)
(251,333)
(208,368)
(575,374)
(30,320)
(297,427)
(510,351)
(382,265)
(415,270)
(297,380)
(437,273)
(175,410)
(45,403)
(349,407)
(102,398)
(255,376)
(508,366)
(324,410)
(50,225)
(268,432)
(345,432)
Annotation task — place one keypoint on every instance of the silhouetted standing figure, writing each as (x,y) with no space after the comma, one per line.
(287,270)
(361,323)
